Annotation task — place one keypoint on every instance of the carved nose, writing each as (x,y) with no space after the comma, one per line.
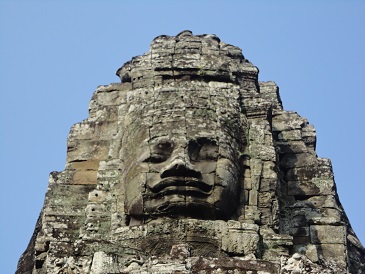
(180,168)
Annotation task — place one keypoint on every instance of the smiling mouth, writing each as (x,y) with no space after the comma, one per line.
(181,185)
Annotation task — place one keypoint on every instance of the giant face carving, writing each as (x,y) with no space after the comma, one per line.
(181,164)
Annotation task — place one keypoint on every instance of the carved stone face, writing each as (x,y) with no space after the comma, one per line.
(180,168)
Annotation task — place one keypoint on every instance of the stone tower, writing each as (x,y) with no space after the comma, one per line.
(191,165)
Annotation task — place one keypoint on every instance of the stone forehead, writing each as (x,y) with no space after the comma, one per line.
(185,97)
(189,110)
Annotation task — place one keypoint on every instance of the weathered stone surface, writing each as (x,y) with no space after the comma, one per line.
(191,165)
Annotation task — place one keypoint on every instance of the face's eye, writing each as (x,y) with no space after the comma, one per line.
(203,149)
(193,150)
(164,146)
(209,152)
(160,151)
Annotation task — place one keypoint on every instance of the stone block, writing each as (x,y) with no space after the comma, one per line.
(298,160)
(268,185)
(287,121)
(263,152)
(268,171)
(246,193)
(228,265)
(82,150)
(97,196)
(292,135)
(299,231)
(300,217)
(85,177)
(304,188)
(85,165)
(256,133)
(328,234)
(265,199)
(266,217)
(316,186)
(253,198)
(332,214)
(256,167)
(252,213)
(94,210)
(110,98)
(312,253)
(333,253)
(307,173)
(276,240)
(323,201)
(300,240)
(290,146)
(255,182)
(240,242)
(247,183)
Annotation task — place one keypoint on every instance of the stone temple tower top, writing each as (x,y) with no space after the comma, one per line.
(202,56)
(191,165)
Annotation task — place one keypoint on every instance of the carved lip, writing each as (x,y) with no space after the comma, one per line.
(181,185)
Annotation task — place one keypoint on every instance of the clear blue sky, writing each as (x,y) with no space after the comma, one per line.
(53,55)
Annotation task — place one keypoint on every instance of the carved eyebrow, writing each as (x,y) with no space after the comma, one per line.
(205,140)
(201,141)
(158,139)
(162,141)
